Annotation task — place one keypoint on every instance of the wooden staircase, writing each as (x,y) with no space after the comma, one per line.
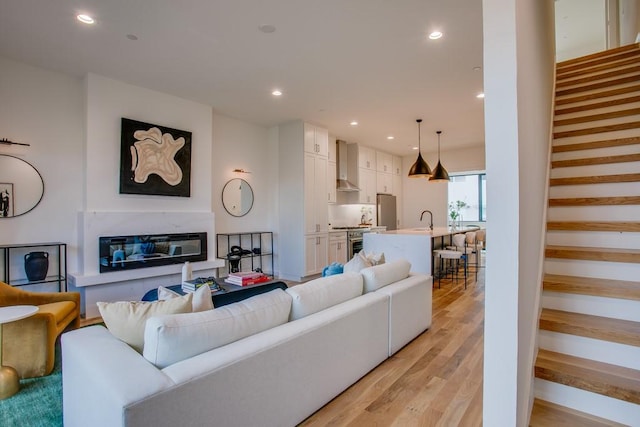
(587,371)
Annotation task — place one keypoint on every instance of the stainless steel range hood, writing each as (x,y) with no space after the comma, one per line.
(343,183)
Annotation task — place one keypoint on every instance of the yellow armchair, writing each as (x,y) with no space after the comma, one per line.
(28,345)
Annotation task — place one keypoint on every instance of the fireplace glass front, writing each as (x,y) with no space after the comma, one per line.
(142,251)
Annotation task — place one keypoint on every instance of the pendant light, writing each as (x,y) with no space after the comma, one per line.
(439,173)
(420,168)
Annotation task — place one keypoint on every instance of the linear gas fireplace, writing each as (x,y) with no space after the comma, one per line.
(142,251)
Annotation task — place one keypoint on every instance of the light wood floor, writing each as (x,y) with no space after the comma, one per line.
(436,380)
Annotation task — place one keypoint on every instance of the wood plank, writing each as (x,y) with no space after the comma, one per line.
(596,86)
(596,201)
(602,378)
(545,414)
(566,82)
(597,129)
(597,95)
(596,327)
(598,68)
(622,226)
(598,179)
(606,143)
(596,105)
(601,54)
(599,58)
(595,117)
(608,288)
(602,160)
(593,253)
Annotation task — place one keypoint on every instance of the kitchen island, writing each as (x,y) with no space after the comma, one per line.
(416,245)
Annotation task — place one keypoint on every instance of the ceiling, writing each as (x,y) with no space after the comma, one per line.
(335,60)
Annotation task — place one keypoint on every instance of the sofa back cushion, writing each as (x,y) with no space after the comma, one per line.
(384,274)
(170,339)
(318,294)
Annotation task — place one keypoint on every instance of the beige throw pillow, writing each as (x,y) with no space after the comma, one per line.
(126,320)
(201,298)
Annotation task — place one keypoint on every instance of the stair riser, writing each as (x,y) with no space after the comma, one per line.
(593,170)
(585,401)
(596,88)
(589,348)
(593,305)
(597,123)
(603,239)
(596,190)
(604,94)
(599,79)
(592,111)
(585,268)
(597,152)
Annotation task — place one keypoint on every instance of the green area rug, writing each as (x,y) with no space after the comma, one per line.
(38,403)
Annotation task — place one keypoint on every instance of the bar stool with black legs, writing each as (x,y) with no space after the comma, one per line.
(448,256)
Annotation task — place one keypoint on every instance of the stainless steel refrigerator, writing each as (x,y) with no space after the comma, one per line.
(386,211)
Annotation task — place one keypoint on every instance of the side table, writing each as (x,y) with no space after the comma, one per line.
(9,381)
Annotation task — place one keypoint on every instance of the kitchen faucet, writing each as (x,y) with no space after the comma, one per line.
(431,215)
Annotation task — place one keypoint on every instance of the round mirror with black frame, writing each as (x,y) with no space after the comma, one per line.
(237,197)
(21,186)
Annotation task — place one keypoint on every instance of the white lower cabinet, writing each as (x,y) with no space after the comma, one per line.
(338,248)
(316,247)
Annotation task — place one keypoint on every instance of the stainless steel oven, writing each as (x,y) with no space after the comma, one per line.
(355,241)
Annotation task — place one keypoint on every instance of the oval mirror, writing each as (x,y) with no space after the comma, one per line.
(237,197)
(21,186)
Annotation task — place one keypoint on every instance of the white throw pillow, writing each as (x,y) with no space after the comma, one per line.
(126,320)
(201,298)
(384,274)
(357,263)
(375,259)
(318,294)
(170,339)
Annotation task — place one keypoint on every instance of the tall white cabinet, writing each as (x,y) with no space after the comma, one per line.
(303,201)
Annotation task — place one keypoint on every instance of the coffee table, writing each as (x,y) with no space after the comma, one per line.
(9,380)
(229,294)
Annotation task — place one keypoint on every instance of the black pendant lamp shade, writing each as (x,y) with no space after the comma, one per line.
(420,168)
(439,173)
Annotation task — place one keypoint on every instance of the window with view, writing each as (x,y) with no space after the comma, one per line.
(470,189)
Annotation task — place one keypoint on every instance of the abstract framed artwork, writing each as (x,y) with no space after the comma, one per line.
(154,160)
(7,199)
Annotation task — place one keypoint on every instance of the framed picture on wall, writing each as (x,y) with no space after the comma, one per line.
(154,160)
(6,199)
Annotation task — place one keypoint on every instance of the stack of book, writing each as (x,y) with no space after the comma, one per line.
(195,284)
(246,278)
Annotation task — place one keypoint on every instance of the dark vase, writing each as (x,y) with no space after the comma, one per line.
(36,265)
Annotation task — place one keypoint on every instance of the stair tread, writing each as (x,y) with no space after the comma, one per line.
(623,289)
(595,201)
(595,117)
(597,105)
(598,179)
(598,95)
(597,129)
(631,226)
(565,82)
(605,143)
(597,68)
(593,253)
(599,85)
(544,414)
(601,160)
(596,59)
(586,325)
(610,380)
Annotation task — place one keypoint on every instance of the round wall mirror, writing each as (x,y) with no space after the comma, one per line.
(237,197)
(21,186)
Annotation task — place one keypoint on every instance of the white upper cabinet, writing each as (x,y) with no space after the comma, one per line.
(316,140)
(396,162)
(366,157)
(384,162)
(384,183)
(332,150)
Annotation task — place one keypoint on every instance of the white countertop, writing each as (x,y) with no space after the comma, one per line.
(436,232)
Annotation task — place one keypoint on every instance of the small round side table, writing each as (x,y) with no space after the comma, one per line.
(9,380)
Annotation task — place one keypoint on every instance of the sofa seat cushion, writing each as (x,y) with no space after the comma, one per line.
(318,294)
(60,310)
(126,320)
(382,275)
(170,339)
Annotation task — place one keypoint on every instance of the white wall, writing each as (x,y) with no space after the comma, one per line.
(44,109)
(420,194)
(518,82)
(629,18)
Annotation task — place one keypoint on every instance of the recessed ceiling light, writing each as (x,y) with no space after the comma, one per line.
(480,95)
(267,28)
(391,137)
(435,35)
(354,123)
(276,92)
(132,37)
(414,148)
(85,19)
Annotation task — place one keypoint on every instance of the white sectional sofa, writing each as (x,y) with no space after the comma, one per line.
(335,330)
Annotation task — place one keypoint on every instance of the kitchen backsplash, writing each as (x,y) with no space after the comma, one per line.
(350,215)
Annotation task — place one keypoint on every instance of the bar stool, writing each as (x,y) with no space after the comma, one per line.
(481,237)
(450,255)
